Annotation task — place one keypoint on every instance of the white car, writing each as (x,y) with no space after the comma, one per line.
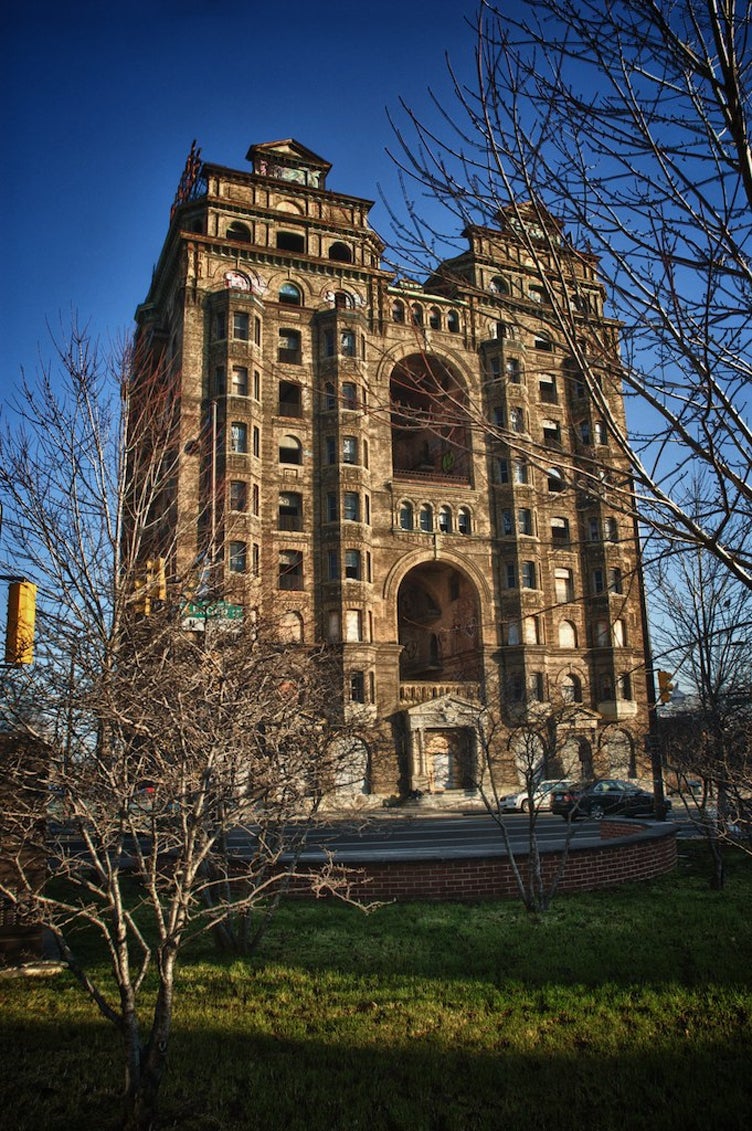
(520,802)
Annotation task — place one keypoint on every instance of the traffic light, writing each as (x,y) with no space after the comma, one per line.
(151,585)
(155,569)
(665,686)
(19,633)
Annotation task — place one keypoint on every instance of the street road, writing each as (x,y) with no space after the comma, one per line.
(399,838)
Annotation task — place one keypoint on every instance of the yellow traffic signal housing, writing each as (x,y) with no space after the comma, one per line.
(150,586)
(19,633)
(156,573)
(665,686)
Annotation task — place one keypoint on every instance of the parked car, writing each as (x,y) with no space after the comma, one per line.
(520,802)
(608,796)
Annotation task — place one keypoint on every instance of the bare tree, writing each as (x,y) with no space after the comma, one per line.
(629,122)
(186,766)
(547,742)
(702,638)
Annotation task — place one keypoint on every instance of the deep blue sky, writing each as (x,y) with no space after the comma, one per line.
(100,102)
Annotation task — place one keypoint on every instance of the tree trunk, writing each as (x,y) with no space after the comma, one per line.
(142,1093)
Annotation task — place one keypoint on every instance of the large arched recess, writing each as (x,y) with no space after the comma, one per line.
(430,422)
(438,624)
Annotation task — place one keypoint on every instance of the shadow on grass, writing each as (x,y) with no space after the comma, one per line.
(265,1083)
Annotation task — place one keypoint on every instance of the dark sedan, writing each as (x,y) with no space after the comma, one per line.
(610,795)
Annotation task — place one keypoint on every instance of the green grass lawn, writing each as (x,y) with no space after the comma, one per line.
(624,1009)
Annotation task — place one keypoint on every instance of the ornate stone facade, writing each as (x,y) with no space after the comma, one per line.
(397,468)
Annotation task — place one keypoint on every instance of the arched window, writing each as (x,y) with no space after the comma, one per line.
(239,232)
(290,450)
(567,634)
(290,628)
(542,342)
(434,318)
(426,518)
(343,301)
(416,314)
(498,285)
(445,520)
(453,322)
(341,252)
(290,295)
(406,515)
(571,689)
(398,311)
(463,521)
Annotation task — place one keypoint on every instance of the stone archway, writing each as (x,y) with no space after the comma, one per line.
(438,624)
(430,423)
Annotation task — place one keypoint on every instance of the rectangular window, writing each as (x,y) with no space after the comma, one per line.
(257,331)
(528,575)
(332,559)
(594,530)
(256,559)
(537,687)
(357,687)
(520,471)
(349,395)
(524,521)
(511,574)
(352,564)
(331,507)
(239,437)
(239,381)
(564,585)
(502,470)
(353,625)
(238,495)
(289,350)
(331,449)
(255,500)
(291,569)
(290,511)
(238,554)
(531,627)
(347,343)
(256,441)
(599,583)
(240,326)
(560,531)
(256,385)
(349,449)
(547,387)
(219,381)
(507,525)
(351,506)
(220,326)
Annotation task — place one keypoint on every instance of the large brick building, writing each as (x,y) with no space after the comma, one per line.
(397,468)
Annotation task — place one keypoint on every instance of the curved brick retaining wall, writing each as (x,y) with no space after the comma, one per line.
(628,851)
